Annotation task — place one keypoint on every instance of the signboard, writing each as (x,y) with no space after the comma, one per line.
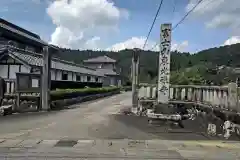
(164,63)
(28,82)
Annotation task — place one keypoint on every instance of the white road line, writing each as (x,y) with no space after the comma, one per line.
(29,143)
(10,143)
(11,135)
(47,143)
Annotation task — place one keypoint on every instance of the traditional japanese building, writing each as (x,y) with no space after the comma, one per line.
(21,51)
(107,66)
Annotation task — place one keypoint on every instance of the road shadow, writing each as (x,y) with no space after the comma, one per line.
(27,115)
(190,130)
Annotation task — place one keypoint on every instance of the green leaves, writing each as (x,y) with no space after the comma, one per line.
(201,64)
(73,93)
(83,90)
(187,76)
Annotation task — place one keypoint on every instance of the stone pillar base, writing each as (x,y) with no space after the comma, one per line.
(134,110)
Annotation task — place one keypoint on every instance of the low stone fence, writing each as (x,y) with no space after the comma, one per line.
(216,108)
(216,96)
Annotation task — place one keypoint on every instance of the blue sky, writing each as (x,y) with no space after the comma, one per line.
(122,23)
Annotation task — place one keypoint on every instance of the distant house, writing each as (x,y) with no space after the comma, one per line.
(20,51)
(107,66)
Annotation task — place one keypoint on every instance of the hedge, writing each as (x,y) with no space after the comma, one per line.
(126,88)
(70,84)
(73,93)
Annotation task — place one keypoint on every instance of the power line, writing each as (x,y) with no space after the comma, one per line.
(154,46)
(184,17)
(154,20)
(209,2)
(174,9)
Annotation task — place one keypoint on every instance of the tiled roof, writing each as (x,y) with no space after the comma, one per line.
(106,72)
(11,29)
(37,60)
(100,59)
(18,28)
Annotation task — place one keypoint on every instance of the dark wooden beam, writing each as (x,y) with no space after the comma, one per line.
(46,80)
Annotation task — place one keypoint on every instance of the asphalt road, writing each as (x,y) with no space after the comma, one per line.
(98,130)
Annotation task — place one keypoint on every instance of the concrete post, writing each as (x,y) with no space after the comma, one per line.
(154,89)
(232,96)
(135,64)
(189,94)
(171,93)
(45,89)
(183,94)
(215,98)
(225,100)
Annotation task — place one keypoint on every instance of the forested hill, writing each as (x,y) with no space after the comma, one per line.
(186,68)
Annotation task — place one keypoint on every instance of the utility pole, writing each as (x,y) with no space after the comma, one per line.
(46,79)
(135,71)
(164,64)
(237,81)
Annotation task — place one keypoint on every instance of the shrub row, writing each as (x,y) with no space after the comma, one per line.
(82,92)
(126,88)
(64,103)
(71,84)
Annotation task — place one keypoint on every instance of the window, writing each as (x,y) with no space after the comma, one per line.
(78,77)
(64,76)
(96,79)
(88,78)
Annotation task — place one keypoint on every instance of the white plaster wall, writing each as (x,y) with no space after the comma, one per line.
(100,79)
(69,76)
(112,81)
(106,81)
(92,79)
(3,71)
(12,88)
(119,83)
(74,77)
(53,75)
(13,70)
(83,78)
(25,69)
(8,88)
(59,75)
(10,60)
(103,65)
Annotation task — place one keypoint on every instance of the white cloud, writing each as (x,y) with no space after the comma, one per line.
(78,21)
(138,42)
(182,47)
(93,43)
(232,40)
(218,13)
(134,42)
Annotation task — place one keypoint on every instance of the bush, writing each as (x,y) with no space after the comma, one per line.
(126,88)
(73,93)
